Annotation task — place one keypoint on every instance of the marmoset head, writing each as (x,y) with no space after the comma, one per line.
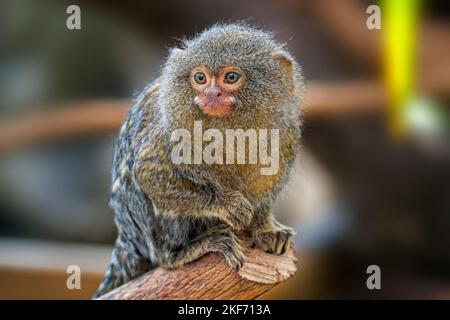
(229,69)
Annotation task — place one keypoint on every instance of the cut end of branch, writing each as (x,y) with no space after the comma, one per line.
(266,268)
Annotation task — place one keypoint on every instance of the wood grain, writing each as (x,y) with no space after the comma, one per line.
(210,278)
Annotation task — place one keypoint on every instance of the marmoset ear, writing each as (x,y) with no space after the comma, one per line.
(286,62)
(176,52)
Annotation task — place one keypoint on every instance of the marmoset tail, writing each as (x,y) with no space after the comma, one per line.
(204,152)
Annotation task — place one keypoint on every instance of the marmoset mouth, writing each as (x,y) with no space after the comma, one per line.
(218,110)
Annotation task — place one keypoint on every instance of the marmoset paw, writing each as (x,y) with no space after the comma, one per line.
(228,244)
(275,241)
(234,258)
(239,209)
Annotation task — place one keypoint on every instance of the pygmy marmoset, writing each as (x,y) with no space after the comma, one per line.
(231,76)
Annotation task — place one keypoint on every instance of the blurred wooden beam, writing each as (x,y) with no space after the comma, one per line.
(36,269)
(344,22)
(68,121)
(343,99)
(104,116)
(321,99)
(21,283)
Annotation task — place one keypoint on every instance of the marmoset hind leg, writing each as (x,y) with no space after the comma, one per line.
(268,234)
(126,264)
(216,239)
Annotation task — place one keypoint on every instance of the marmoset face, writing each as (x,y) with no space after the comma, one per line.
(216,91)
(235,71)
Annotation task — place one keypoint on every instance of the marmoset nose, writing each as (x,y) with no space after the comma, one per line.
(212,93)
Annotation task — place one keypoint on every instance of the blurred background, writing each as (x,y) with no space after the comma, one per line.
(372,185)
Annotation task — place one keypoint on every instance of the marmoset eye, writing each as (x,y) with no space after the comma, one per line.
(200,78)
(232,77)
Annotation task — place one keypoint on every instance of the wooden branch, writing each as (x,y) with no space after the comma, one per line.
(210,278)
